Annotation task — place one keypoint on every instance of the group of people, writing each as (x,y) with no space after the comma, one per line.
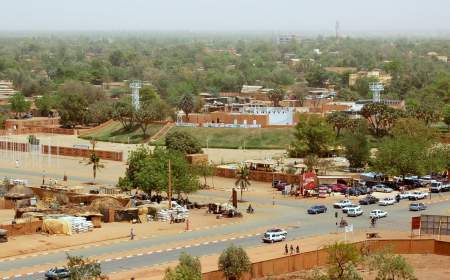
(290,249)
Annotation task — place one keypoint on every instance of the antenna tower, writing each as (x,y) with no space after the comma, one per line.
(376,89)
(135,86)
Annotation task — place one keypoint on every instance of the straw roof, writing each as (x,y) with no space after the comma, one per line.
(105,203)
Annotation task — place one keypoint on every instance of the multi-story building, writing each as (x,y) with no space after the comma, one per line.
(6,90)
(383,78)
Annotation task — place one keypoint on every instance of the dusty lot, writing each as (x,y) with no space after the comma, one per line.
(425,267)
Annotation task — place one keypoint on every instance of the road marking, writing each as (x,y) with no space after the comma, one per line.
(149,253)
(30,273)
(215,241)
(232,238)
(205,243)
(140,254)
(169,249)
(178,248)
(129,257)
(224,240)
(18,275)
(118,258)
(187,246)
(159,251)
(107,260)
(197,244)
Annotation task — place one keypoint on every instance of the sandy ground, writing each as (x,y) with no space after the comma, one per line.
(216,155)
(110,232)
(425,266)
(6,215)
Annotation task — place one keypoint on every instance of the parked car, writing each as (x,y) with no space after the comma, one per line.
(386,201)
(418,195)
(339,187)
(342,203)
(274,235)
(57,273)
(354,211)
(377,213)
(417,206)
(405,195)
(368,200)
(437,186)
(345,209)
(353,191)
(316,209)
(382,188)
(276,182)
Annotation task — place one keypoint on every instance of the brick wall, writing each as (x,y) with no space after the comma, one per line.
(75,152)
(33,122)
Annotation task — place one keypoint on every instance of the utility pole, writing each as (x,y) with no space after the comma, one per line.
(169,194)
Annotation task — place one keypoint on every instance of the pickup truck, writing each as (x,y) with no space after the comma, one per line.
(418,195)
(342,204)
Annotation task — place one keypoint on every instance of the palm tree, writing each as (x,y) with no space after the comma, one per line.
(242,178)
(187,105)
(94,160)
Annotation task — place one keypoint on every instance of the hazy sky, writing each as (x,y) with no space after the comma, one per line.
(270,15)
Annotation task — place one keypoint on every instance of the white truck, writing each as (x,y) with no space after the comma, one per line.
(438,186)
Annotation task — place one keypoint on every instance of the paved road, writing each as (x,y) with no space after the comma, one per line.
(301,225)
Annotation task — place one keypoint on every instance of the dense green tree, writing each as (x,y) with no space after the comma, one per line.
(446,115)
(150,111)
(234,262)
(313,135)
(135,163)
(183,142)
(188,268)
(405,152)
(276,95)
(45,104)
(356,146)
(153,176)
(380,117)
(123,112)
(19,104)
(339,120)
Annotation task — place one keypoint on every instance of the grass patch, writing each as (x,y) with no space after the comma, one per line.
(116,133)
(232,138)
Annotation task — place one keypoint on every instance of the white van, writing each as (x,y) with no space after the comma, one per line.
(274,235)
(354,211)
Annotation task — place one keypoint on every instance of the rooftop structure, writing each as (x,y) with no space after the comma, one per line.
(6,89)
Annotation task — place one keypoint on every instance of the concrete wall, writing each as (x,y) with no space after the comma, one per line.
(309,260)
(227,118)
(260,176)
(35,130)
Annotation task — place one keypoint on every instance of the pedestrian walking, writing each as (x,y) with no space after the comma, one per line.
(286,250)
(171,218)
(131,234)
(292,249)
(297,249)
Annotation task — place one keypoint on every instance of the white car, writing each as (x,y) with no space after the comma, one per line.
(386,201)
(377,213)
(382,188)
(274,235)
(405,195)
(418,195)
(342,203)
(354,211)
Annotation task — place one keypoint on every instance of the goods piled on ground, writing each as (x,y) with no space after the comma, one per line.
(78,224)
(176,214)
